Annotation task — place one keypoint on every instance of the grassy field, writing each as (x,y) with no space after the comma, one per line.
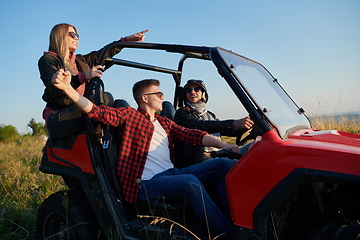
(23,187)
(344,123)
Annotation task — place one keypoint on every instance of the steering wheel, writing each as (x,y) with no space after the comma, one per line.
(248,134)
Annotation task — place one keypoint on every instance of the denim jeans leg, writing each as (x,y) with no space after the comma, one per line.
(188,184)
(213,172)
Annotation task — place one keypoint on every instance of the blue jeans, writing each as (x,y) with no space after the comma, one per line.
(188,183)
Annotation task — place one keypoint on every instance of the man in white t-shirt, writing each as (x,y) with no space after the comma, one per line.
(146,150)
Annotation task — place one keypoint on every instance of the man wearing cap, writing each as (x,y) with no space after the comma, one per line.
(195,116)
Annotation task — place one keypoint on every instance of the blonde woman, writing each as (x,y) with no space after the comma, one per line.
(61,116)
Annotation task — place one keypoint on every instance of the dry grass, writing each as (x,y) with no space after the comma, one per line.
(22,187)
(344,123)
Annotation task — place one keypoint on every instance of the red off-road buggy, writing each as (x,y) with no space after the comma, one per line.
(296,183)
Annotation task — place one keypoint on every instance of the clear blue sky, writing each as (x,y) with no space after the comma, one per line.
(312,47)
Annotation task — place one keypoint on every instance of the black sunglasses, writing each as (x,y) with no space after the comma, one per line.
(74,35)
(189,89)
(159,94)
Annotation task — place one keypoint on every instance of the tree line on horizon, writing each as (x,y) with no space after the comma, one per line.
(9,132)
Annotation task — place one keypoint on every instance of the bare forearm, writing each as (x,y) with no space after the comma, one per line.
(61,79)
(84,104)
(210,141)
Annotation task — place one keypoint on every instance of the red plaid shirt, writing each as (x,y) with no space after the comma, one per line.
(136,130)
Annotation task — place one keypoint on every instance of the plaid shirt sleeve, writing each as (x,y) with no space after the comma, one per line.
(113,117)
(187,135)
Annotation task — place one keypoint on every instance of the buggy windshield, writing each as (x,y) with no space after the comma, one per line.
(266,94)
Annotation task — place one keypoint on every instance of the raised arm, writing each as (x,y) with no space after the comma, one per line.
(137,36)
(61,79)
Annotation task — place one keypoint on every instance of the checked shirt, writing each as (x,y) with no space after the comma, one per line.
(135,132)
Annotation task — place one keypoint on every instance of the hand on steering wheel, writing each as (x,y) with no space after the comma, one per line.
(248,134)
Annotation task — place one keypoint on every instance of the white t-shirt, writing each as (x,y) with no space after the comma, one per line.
(158,158)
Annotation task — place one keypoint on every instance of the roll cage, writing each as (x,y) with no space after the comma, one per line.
(196,52)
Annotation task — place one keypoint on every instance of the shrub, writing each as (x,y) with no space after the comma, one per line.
(8,132)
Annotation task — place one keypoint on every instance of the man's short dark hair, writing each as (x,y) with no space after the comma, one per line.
(138,88)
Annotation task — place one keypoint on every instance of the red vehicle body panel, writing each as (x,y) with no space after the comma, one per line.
(77,155)
(275,158)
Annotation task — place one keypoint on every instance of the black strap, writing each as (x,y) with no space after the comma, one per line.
(95,87)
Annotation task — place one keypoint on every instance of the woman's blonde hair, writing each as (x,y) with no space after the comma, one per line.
(58,41)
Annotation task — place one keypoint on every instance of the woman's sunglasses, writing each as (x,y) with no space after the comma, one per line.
(74,35)
(189,89)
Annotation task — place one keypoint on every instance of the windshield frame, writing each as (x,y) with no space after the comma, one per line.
(260,93)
